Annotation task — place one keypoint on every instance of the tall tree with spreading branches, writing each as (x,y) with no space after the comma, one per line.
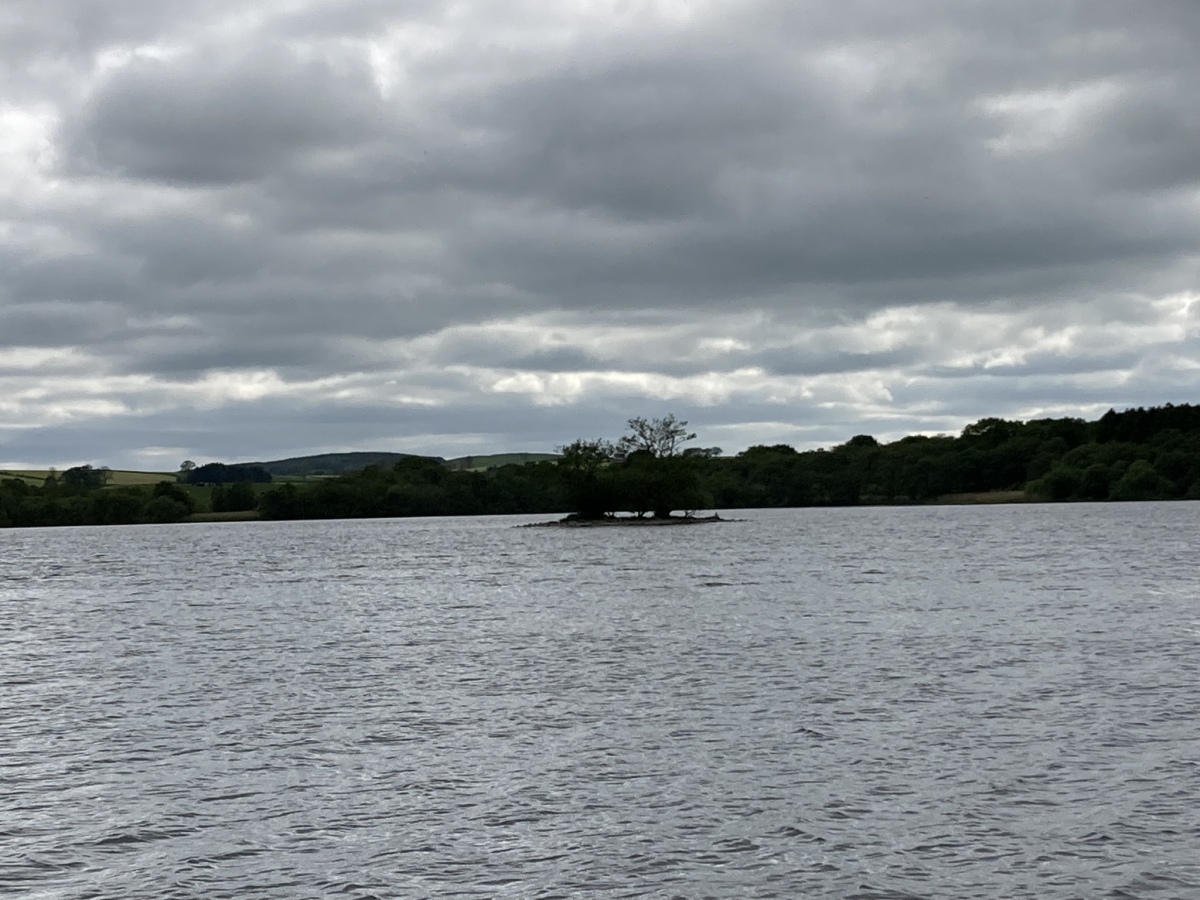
(659,437)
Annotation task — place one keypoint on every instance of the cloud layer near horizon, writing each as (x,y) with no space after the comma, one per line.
(460,227)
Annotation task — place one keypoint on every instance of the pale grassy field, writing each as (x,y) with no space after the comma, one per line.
(27,477)
(495,460)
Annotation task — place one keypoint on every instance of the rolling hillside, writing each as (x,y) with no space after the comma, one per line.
(303,467)
(343,463)
(331,463)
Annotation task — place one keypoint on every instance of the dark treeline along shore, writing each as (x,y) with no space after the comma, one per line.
(1137,454)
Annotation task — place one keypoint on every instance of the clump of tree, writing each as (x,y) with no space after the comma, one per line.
(81,501)
(237,497)
(222,473)
(587,471)
(86,477)
(420,486)
(168,503)
(1045,459)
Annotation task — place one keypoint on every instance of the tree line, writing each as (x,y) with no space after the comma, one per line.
(1138,454)
(70,499)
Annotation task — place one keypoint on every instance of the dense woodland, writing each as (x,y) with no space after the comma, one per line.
(1138,454)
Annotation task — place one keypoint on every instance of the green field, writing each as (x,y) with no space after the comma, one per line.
(120,477)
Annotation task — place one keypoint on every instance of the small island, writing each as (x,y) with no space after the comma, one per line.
(574,521)
(646,474)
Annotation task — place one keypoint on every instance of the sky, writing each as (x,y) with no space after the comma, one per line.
(234,231)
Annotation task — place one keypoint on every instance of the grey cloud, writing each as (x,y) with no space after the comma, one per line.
(48,27)
(1040,365)
(635,137)
(810,361)
(75,277)
(205,120)
(970,398)
(1150,139)
(275,428)
(256,202)
(856,206)
(189,247)
(479,349)
(183,356)
(351,18)
(57,324)
(861,212)
(33,29)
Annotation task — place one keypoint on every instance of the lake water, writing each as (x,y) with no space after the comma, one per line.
(955,702)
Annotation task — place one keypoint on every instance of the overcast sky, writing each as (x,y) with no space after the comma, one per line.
(237,231)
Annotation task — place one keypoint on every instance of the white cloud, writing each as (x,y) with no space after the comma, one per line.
(1043,120)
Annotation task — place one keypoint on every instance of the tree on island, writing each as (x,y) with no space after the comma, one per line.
(587,469)
(645,471)
(658,437)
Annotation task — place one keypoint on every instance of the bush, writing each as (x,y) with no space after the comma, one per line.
(1095,482)
(1062,483)
(165,509)
(173,492)
(1141,482)
(238,497)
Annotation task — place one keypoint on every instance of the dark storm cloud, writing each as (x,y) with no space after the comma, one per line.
(477,208)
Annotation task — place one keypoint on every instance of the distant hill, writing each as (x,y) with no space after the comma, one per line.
(333,463)
(495,460)
(343,463)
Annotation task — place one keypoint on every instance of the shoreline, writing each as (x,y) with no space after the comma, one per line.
(627,521)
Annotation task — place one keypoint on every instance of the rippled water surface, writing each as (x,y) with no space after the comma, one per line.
(923,702)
